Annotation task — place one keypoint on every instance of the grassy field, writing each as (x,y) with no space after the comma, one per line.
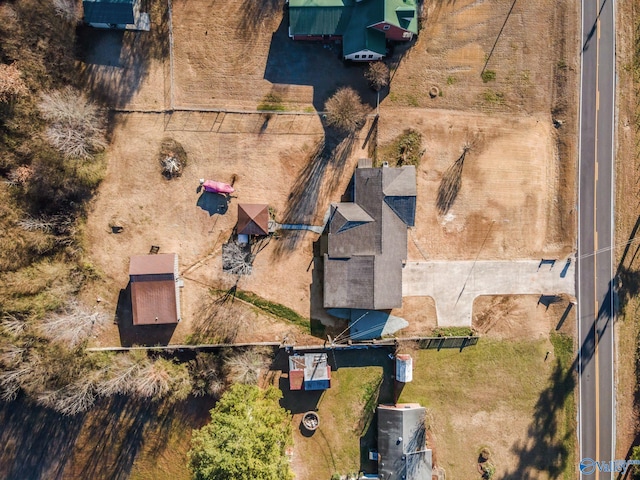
(347,419)
(504,395)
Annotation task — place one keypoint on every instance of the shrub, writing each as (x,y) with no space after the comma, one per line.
(173,158)
(378,75)
(488,75)
(76,125)
(345,110)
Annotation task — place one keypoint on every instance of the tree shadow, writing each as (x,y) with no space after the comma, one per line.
(320,176)
(292,62)
(131,334)
(37,442)
(113,64)
(123,427)
(543,451)
(450,184)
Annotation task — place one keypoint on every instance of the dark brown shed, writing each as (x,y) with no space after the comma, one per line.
(253,219)
(155,297)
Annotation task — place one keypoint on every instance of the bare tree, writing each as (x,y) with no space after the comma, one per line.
(205,375)
(120,376)
(73,325)
(378,75)
(236,259)
(246,367)
(11,83)
(13,325)
(72,399)
(68,9)
(345,110)
(77,125)
(162,379)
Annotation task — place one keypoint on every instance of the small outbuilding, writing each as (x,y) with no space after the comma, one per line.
(115,14)
(309,372)
(155,294)
(253,219)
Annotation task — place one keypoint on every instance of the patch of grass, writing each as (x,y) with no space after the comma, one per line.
(412,100)
(272,102)
(275,309)
(405,149)
(493,97)
(452,332)
(451,80)
(488,75)
(335,446)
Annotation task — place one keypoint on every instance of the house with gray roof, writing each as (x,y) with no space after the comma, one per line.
(367,240)
(362,26)
(402,449)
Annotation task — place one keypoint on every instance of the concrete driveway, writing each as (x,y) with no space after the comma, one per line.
(455,285)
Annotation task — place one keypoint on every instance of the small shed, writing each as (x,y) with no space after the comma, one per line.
(253,219)
(309,372)
(404,368)
(117,14)
(155,294)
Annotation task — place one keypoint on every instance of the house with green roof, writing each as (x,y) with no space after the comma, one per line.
(362,26)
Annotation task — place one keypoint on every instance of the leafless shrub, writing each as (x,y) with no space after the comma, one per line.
(20,176)
(205,375)
(12,325)
(345,110)
(246,367)
(58,224)
(11,83)
(378,75)
(237,259)
(72,399)
(26,374)
(162,379)
(173,158)
(120,375)
(73,325)
(77,125)
(68,9)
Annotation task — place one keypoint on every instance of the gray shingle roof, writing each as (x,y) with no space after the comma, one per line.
(363,264)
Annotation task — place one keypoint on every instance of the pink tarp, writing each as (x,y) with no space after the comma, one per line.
(217,187)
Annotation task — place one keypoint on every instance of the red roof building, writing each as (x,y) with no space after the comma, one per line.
(253,219)
(155,295)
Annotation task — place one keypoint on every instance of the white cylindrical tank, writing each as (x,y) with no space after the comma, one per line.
(404,368)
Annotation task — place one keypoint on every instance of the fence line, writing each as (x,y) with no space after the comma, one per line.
(430,343)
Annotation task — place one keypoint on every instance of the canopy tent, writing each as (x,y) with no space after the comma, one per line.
(253,219)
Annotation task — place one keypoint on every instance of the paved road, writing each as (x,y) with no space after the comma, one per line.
(455,285)
(595,236)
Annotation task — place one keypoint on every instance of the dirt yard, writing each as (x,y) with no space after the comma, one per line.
(268,166)
(515,190)
(505,205)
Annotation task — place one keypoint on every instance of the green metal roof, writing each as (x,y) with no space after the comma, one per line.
(355,41)
(108,11)
(350,19)
(319,21)
(402,13)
